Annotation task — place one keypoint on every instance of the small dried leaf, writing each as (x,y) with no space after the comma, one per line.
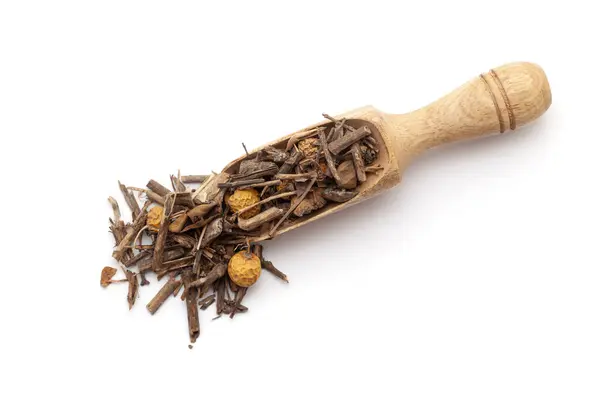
(213,230)
(177,225)
(107,275)
(201,210)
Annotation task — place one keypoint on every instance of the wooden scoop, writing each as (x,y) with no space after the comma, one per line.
(502,100)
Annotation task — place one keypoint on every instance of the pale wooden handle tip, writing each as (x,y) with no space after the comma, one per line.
(500,100)
(521,93)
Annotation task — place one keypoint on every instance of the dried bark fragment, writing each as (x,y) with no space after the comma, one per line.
(184,240)
(347,175)
(133,287)
(184,199)
(338,195)
(213,230)
(290,163)
(276,155)
(142,255)
(210,190)
(312,202)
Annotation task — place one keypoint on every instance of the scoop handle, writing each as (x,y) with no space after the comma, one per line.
(499,101)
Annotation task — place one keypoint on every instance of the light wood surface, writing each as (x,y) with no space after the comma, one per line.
(499,101)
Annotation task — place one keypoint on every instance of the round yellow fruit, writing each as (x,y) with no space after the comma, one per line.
(154,217)
(243,198)
(244,268)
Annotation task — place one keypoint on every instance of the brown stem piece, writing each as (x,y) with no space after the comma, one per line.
(133,287)
(161,238)
(217,272)
(167,290)
(155,197)
(359,163)
(290,163)
(268,266)
(184,240)
(296,177)
(260,219)
(220,295)
(137,225)
(206,302)
(291,209)
(328,157)
(263,184)
(157,188)
(239,296)
(178,186)
(348,140)
(193,178)
(142,255)
(130,200)
(191,300)
(228,185)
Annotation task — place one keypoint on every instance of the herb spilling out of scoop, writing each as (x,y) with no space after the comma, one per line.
(205,240)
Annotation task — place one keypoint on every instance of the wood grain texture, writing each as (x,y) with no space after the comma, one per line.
(498,101)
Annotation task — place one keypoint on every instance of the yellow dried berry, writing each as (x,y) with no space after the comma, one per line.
(154,217)
(309,147)
(243,198)
(244,268)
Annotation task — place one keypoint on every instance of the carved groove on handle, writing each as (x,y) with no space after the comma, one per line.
(511,114)
(488,88)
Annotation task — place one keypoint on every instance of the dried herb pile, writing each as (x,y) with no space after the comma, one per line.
(203,242)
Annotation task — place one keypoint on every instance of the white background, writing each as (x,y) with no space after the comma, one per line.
(477,278)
